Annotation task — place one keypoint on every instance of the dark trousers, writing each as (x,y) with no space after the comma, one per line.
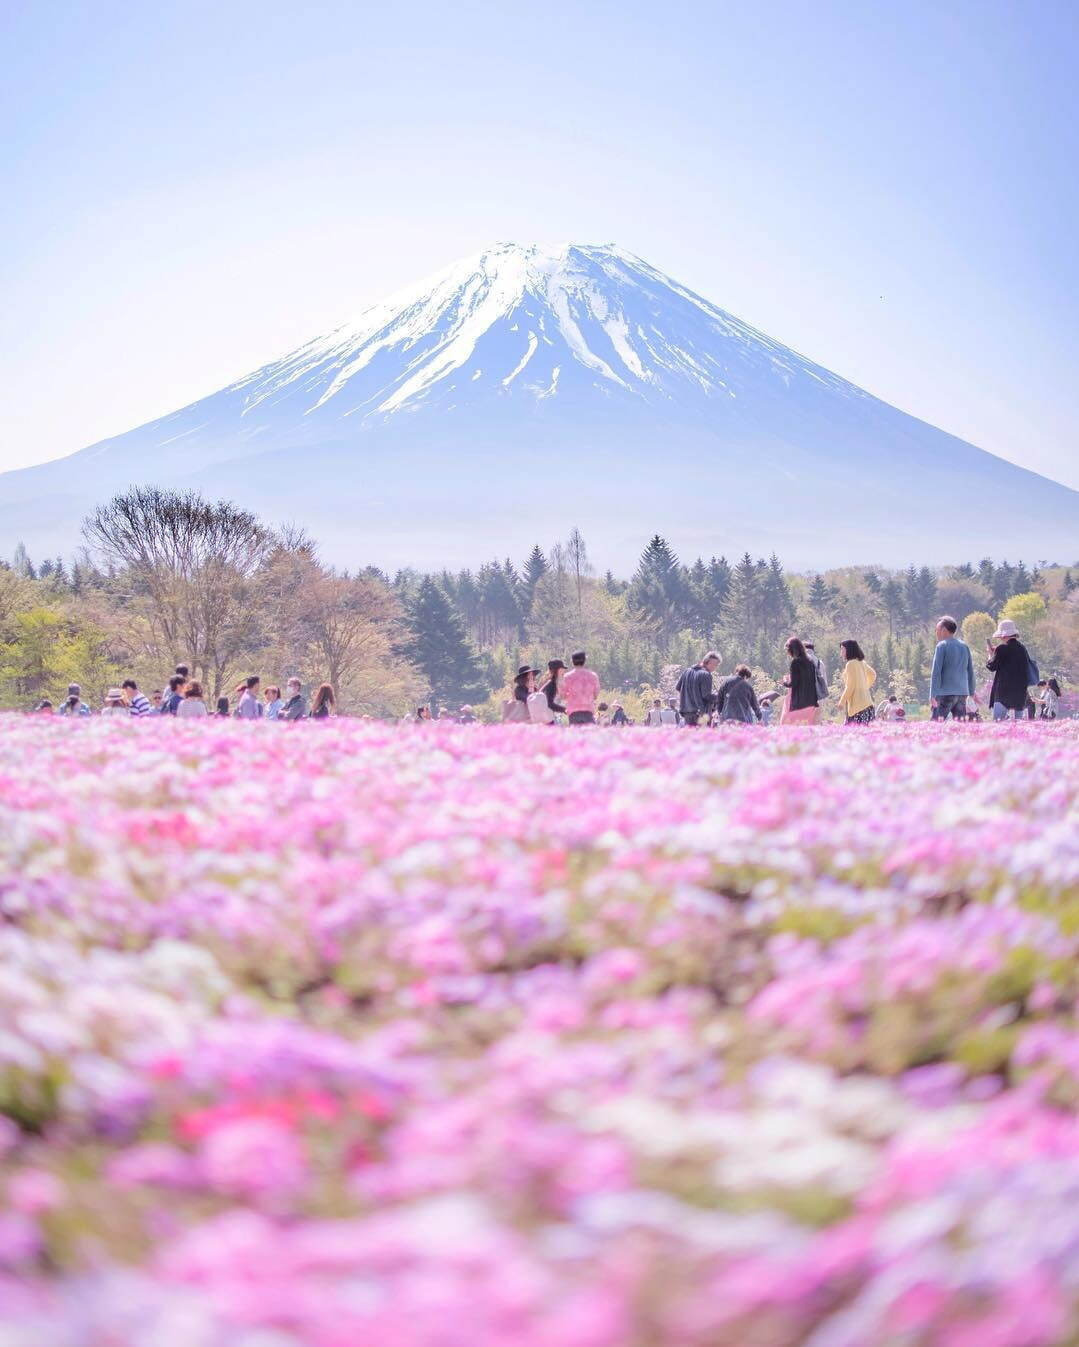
(581,718)
(950,704)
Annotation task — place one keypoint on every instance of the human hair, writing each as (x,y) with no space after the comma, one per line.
(795,648)
(712,655)
(603,707)
(182,670)
(655,701)
(851,650)
(1054,686)
(130,683)
(520,684)
(293,682)
(578,657)
(949,624)
(423,713)
(253,681)
(193,690)
(743,671)
(222,706)
(893,698)
(274,693)
(323,697)
(176,682)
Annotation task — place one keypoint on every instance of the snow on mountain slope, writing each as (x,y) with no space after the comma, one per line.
(618,324)
(527,389)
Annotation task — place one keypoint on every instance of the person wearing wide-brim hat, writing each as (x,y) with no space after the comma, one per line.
(114,704)
(1009,664)
(524,684)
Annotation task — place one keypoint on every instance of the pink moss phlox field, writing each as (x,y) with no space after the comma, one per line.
(444,1036)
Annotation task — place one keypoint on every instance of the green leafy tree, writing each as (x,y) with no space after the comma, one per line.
(658,590)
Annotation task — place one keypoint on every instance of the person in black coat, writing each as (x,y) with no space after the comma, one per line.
(695,689)
(802,679)
(1009,664)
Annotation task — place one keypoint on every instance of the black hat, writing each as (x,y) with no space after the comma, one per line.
(553,664)
(526,669)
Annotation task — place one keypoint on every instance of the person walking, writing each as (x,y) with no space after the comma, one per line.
(1009,664)
(274,703)
(192,706)
(802,702)
(952,679)
(735,698)
(114,704)
(73,703)
(323,706)
(695,690)
(655,713)
(138,703)
(856,701)
(580,691)
(822,681)
(669,714)
(515,707)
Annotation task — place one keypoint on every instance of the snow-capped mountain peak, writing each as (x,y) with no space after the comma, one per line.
(531,388)
(533,322)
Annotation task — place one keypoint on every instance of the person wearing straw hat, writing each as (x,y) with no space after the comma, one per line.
(114,704)
(1009,664)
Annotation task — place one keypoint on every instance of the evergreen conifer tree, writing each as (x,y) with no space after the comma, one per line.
(658,590)
(441,650)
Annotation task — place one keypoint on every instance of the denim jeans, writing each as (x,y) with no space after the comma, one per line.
(950,704)
(1000,711)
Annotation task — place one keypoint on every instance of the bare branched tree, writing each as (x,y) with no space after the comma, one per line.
(193,562)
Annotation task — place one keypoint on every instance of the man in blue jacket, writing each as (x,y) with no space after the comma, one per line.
(952,679)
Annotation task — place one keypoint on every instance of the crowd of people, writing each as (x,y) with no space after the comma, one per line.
(570,694)
(183,697)
(1015,688)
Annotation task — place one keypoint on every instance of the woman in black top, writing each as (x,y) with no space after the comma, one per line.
(323,706)
(1009,664)
(550,685)
(802,680)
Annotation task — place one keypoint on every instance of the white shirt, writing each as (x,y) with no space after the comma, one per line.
(655,716)
(539,711)
(191,706)
(668,716)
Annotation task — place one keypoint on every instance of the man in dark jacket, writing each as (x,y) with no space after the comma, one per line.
(295,707)
(1009,664)
(695,690)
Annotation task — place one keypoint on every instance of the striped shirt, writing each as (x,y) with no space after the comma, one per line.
(140,704)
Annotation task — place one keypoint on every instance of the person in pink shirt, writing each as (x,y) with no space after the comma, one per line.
(580,692)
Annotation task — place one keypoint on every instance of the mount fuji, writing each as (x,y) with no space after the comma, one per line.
(526,390)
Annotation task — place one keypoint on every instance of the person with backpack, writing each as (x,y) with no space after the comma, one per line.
(822,681)
(175,695)
(1013,671)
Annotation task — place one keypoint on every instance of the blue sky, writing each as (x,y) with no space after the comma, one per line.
(192,189)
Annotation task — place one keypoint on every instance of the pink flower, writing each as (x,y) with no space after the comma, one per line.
(253,1157)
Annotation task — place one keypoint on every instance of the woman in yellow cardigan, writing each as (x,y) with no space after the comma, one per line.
(858,678)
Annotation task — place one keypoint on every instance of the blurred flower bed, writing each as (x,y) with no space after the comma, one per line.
(461,1037)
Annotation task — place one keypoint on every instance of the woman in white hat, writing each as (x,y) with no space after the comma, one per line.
(114,704)
(1010,666)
